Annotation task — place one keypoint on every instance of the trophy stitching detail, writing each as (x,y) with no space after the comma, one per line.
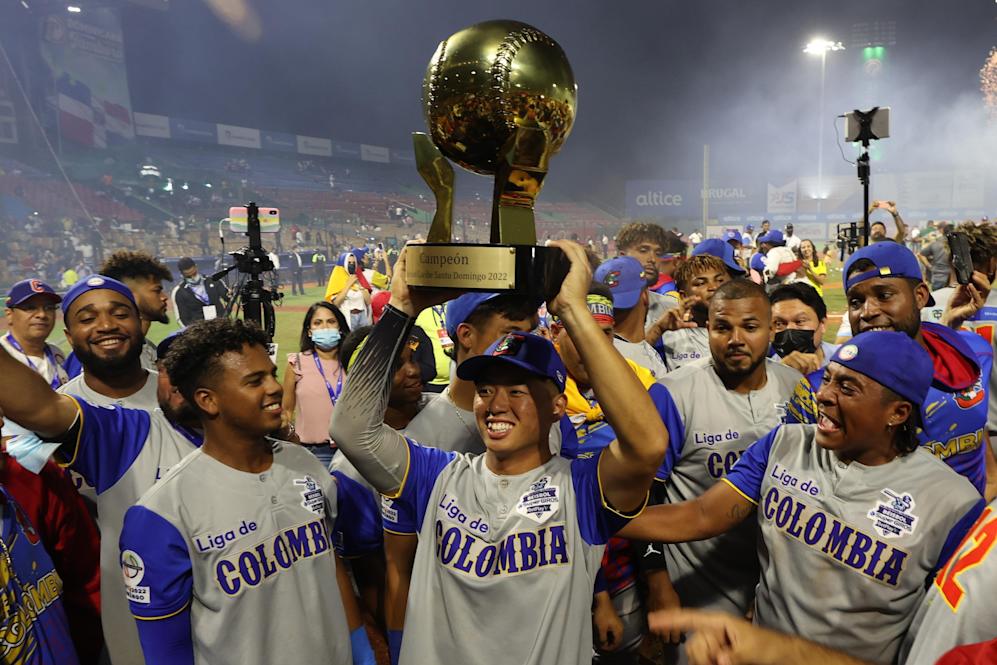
(502,68)
(433,88)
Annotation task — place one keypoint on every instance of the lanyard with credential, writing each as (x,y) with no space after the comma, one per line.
(49,356)
(333,394)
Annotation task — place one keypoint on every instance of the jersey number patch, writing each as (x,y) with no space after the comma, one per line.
(983,537)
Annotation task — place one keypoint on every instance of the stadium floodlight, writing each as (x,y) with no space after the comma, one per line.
(820,46)
(73,9)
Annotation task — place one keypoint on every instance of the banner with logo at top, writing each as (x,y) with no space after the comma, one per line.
(85,57)
(279,141)
(684,198)
(374,153)
(311,145)
(241,137)
(782,199)
(193,130)
(150,124)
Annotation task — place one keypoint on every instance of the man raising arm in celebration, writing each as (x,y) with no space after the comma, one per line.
(514,524)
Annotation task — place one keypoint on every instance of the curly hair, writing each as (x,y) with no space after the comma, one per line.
(195,354)
(635,233)
(694,265)
(982,241)
(124,265)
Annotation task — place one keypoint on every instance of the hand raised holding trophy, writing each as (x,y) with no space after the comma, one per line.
(499,99)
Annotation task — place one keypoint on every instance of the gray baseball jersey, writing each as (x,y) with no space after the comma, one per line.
(121,453)
(145,399)
(530,544)
(709,428)
(149,354)
(243,561)
(685,346)
(960,606)
(984,324)
(657,305)
(846,549)
(444,425)
(643,354)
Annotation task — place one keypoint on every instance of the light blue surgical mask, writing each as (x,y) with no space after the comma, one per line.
(195,280)
(30,451)
(325,338)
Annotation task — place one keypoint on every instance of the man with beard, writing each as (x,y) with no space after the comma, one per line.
(102,323)
(144,275)
(854,517)
(717,407)
(120,452)
(885,291)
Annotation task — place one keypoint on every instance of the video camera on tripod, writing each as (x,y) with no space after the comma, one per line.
(249,295)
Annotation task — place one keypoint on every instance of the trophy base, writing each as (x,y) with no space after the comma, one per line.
(535,272)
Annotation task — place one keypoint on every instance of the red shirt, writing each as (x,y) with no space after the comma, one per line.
(59,515)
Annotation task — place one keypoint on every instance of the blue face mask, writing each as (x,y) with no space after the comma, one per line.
(30,451)
(325,338)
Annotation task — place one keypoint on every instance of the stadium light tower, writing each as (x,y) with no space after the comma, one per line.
(821,46)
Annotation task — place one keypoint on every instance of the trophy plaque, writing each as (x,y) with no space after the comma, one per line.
(499,99)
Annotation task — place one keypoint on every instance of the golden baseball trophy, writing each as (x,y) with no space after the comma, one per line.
(499,99)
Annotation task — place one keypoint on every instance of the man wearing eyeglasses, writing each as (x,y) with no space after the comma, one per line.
(31,311)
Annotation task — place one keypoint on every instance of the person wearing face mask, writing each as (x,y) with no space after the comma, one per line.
(314,378)
(799,321)
(197,298)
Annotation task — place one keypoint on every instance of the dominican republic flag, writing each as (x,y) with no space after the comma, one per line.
(89,120)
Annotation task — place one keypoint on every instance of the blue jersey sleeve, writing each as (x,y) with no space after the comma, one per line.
(424,467)
(104,442)
(747,474)
(357,530)
(670,416)
(597,520)
(802,406)
(569,438)
(156,565)
(957,534)
(168,641)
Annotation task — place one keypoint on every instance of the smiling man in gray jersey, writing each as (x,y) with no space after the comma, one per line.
(509,541)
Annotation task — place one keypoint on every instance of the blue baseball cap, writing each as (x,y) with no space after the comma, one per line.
(460,309)
(625,278)
(891,359)
(527,351)
(720,249)
(890,259)
(757,262)
(29,288)
(773,237)
(733,234)
(93,283)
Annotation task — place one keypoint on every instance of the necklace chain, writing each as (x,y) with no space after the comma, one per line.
(473,431)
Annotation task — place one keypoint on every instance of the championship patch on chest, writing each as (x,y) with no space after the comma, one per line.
(894,517)
(540,502)
(312,496)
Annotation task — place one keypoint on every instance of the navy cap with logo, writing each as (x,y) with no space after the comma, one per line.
(29,288)
(720,249)
(93,283)
(625,278)
(460,309)
(524,350)
(891,359)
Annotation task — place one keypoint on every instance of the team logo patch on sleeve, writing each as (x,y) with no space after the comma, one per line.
(540,502)
(894,517)
(312,496)
(971,397)
(133,570)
